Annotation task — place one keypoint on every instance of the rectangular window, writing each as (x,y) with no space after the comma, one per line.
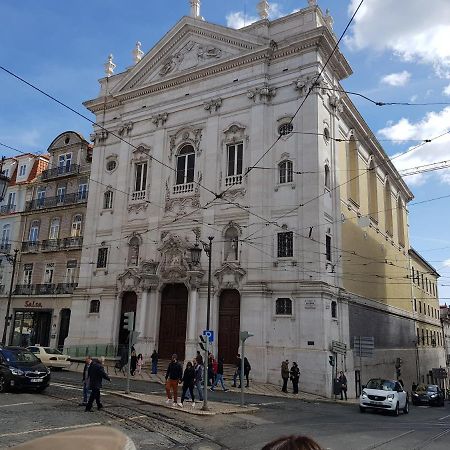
(11,199)
(328,247)
(70,271)
(102,258)
(5,236)
(423,337)
(61,193)
(415,304)
(64,162)
(420,307)
(82,191)
(235,153)
(185,168)
(34,232)
(27,274)
(5,172)
(285,244)
(41,196)
(49,272)
(140,177)
(22,170)
(108,200)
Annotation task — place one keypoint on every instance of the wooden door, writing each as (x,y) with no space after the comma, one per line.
(229,325)
(172,323)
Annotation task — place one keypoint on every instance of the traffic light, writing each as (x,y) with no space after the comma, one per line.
(128,321)
(202,343)
(331,360)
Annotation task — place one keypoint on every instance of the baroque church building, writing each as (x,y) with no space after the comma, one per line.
(244,136)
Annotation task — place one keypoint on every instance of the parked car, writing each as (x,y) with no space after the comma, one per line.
(51,357)
(19,368)
(387,395)
(430,394)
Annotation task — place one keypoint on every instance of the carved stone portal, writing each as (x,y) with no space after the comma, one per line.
(229,275)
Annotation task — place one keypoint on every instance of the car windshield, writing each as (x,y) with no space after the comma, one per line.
(17,355)
(52,351)
(381,385)
(432,389)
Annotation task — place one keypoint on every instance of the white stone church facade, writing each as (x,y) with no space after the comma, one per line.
(186,126)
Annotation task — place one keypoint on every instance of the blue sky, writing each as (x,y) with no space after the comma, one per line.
(397,54)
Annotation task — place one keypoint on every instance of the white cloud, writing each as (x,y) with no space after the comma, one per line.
(414,33)
(446,263)
(446,90)
(239,19)
(397,79)
(431,125)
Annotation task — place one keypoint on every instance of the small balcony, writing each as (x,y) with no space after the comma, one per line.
(5,247)
(53,245)
(30,246)
(60,172)
(233,180)
(24,289)
(7,209)
(138,196)
(45,289)
(58,201)
(50,245)
(72,243)
(183,188)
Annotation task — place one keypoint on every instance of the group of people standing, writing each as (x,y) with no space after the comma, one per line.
(292,373)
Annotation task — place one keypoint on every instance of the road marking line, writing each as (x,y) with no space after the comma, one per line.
(380,444)
(16,404)
(68,386)
(442,418)
(40,430)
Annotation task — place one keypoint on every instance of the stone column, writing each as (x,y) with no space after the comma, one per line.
(191,338)
(152,322)
(141,314)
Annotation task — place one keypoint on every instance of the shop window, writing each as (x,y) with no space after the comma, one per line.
(285,172)
(102,257)
(94,307)
(108,200)
(133,251)
(334,309)
(285,244)
(283,307)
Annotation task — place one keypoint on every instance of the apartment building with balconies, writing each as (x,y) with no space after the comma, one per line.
(51,239)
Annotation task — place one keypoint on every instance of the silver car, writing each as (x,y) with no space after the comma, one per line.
(386,395)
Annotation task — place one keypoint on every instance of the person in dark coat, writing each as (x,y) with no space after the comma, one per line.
(174,375)
(237,371)
(247,368)
(342,380)
(285,374)
(154,358)
(96,375)
(188,383)
(198,378)
(199,358)
(295,377)
(133,363)
(86,391)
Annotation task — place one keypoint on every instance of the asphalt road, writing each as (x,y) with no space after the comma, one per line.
(24,416)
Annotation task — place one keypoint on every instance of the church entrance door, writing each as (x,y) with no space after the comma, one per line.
(172,324)
(229,324)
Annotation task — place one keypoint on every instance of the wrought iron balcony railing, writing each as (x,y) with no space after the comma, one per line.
(7,209)
(53,245)
(45,289)
(58,201)
(59,172)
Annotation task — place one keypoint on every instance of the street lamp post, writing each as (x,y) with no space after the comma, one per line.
(208,251)
(12,260)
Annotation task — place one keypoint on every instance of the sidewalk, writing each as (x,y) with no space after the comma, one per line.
(255,388)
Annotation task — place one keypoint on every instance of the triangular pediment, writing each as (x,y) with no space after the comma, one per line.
(190,45)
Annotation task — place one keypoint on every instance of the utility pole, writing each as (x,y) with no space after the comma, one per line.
(12,260)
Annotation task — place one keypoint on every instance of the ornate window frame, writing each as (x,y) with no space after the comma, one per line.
(113,157)
(292,184)
(234,134)
(284,120)
(140,155)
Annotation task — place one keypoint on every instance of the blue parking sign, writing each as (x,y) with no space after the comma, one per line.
(209,334)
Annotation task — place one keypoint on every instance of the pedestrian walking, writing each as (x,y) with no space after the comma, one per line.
(237,371)
(219,376)
(198,378)
(212,365)
(188,383)
(174,375)
(199,358)
(247,368)
(86,391)
(285,374)
(154,357)
(133,363)
(342,380)
(140,363)
(96,375)
(295,376)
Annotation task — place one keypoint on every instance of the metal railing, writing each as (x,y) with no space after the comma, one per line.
(59,200)
(30,246)
(58,172)
(45,289)
(50,245)
(7,209)
(5,247)
(53,245)
(96,351)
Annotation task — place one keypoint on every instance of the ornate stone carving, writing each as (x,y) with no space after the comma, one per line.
(195,278)
(197,232)
(125,128)
(263,9)
(137,207)
(109,66)
(264,93)
(235,133)
(188,135)
(173,267)
(208,52)
(233,194)
(99,136)
(137,53)
(141,153)
(328,19)
(160,119)
(229,275)
(128,280)
(213,105)
(306,82)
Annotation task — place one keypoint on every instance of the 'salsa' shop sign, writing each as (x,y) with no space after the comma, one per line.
(33,304)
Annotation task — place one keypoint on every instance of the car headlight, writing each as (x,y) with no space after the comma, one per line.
(415,395)
(390,396)
(15,371)
(364,394)
(433,395)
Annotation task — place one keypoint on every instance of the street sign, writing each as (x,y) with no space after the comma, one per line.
(363,346)
(338,347)
(209,334)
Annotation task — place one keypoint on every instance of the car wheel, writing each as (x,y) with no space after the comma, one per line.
(362,409)
(3,385)
(406,408)
(396,411)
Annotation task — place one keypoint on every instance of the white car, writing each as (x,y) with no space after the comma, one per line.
(51,357)
(387,395)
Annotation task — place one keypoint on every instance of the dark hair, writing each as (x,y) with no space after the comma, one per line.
(188,365)
(293,443)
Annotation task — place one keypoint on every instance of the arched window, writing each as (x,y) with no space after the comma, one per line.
(231,245)
(185,165)
(327,176)
(94,307)
(372,188)
(400,223)
(283,307)
(133,251)
(286,172)
(76,225)
(334,310)
(54,228)
(353,172)
(108,199)
(388,207)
